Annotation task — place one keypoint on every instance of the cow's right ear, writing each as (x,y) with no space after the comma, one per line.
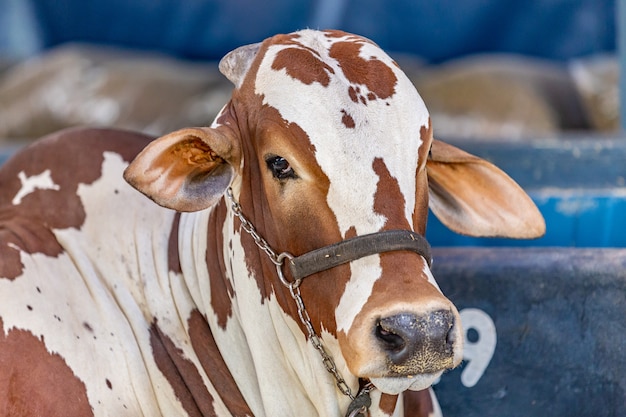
(187,170)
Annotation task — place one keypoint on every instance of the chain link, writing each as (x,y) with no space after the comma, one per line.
(327,360)
(251,230)
(294,290)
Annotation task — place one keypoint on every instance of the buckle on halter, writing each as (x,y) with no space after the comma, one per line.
(279,262)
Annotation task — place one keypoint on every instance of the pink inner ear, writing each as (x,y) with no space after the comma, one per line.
(181,171)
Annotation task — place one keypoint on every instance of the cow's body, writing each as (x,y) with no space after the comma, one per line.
(113,305)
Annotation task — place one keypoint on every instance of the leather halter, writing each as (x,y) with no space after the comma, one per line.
(358,247)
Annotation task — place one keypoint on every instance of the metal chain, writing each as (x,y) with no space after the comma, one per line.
(327,360)
(249,227)
(294,290)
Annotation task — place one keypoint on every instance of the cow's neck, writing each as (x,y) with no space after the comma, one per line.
(277,371)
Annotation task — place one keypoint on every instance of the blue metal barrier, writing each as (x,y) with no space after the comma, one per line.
(545,331)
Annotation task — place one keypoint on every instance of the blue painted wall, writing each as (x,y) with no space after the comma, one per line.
(206,29)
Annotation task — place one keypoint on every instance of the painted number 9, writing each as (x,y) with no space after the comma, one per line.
(480,343)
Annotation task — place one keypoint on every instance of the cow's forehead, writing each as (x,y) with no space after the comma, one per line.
(355,105)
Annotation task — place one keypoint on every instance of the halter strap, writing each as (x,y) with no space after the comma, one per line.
(358,247)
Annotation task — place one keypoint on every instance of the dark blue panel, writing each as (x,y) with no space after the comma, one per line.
(559,331)
(444,29)
(436,30)
(192,28)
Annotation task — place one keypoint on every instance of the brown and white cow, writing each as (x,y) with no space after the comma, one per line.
(111,305)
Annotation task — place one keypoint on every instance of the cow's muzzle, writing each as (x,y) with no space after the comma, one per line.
(417,345)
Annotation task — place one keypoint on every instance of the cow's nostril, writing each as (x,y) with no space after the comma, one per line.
(390,340)
(398,336)
(450,336)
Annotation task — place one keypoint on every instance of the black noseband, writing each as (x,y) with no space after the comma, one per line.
(336,254)
(358,247)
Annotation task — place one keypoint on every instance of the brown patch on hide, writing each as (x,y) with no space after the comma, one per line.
(377,76)
(19,234)
(417,403)
(173,256)
(222,290)
(426,136)
(295,228)
(353,94)
(35,382)
(304,65)
(213,364)
(388,403)
(350,233)
(389,200)
(420,213)
(347,120)
(181,374)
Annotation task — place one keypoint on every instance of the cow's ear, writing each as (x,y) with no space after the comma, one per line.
(187,170)
(235,64)
(473,197)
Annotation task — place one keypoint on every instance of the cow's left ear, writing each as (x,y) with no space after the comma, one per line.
(473,197)
(187,170)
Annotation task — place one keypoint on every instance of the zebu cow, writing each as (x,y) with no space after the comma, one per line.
(111,305)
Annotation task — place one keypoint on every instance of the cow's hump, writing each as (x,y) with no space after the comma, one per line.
(38,189)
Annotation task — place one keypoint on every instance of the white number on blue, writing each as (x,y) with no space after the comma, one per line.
(477,353)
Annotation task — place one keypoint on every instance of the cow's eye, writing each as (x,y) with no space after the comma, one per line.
(280,167)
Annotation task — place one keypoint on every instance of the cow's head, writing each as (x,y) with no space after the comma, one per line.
(324,139)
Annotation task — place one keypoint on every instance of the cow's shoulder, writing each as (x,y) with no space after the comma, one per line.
(39,188)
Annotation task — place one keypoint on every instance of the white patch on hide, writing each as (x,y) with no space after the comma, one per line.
(430,276)
(30,184)
(365,272)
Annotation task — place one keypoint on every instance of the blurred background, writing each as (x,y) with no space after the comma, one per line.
(486,68)
(503,78)
(531,85)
